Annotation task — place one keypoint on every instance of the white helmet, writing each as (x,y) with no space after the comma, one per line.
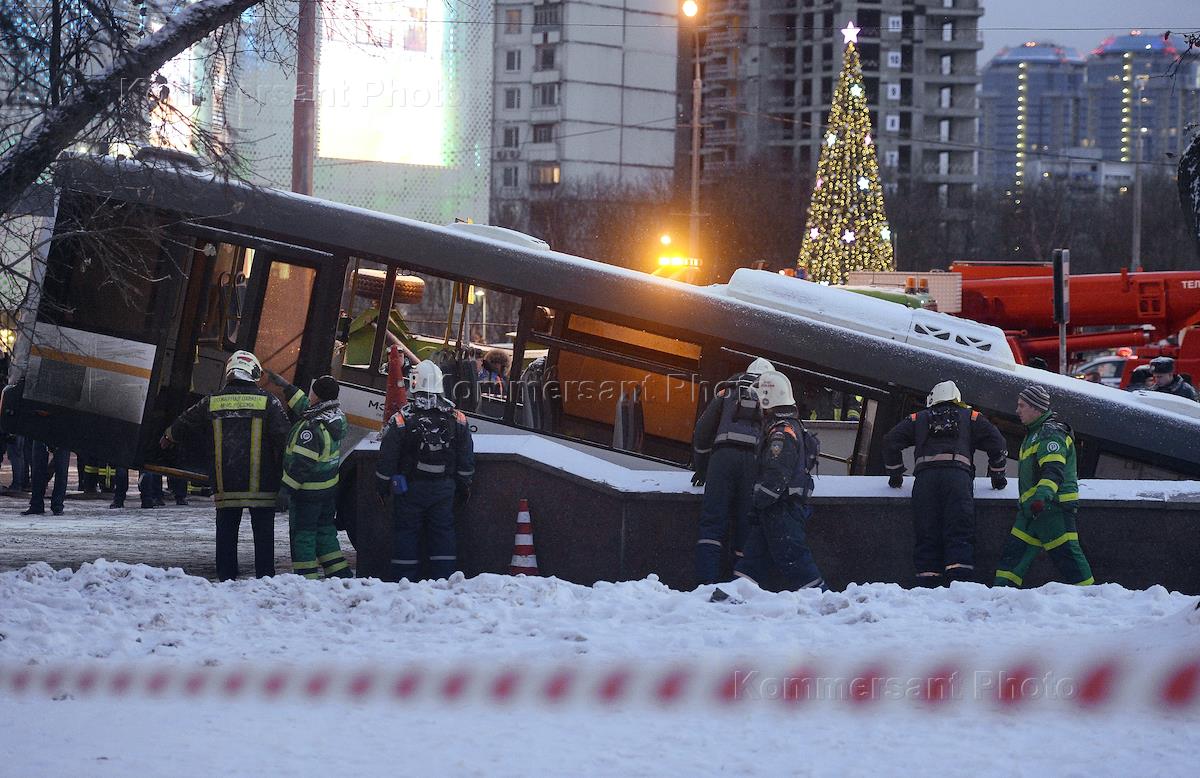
(244,366)
(759,366)
(946,391)
(774,389)
(427,377)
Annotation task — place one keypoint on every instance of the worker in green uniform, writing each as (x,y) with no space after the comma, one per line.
(1049,494)
(311,461)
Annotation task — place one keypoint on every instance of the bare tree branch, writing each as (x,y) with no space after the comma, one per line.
(22,165)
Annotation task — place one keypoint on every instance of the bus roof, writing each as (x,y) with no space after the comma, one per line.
(754,314)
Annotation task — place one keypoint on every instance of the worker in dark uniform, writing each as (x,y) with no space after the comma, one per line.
(786,458)
(944,438)
(1167,382)
(245,429)
(1049,489)
(426,463)
(1142,377)
(723,457)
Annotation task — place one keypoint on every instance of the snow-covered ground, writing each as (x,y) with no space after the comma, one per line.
(111,614)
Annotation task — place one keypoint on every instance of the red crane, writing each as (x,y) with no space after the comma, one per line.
(1108,310)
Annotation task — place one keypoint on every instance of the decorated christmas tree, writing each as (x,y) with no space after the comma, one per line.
(847,227)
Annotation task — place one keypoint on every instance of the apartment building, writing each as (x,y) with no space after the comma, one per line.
(585,96)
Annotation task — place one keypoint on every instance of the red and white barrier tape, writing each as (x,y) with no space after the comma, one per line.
(1109,683)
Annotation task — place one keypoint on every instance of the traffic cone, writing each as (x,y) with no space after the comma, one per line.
(524,561)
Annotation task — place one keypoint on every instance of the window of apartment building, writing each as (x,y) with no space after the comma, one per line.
(512,137)
(547,15)
(545,174)
(891,159)
(543,133)
(509,176)
(512,99)
(893,59)
(945,97)
(546,57)
(895,24)
(545,95)
(892,122)
(512,60)
(512,21)
(893,91)
(948,31)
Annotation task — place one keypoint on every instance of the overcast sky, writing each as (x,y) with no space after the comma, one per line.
(1007,22)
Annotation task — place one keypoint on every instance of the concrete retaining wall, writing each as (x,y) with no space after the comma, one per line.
(588,530)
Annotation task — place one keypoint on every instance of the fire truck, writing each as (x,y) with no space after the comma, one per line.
(1135,315)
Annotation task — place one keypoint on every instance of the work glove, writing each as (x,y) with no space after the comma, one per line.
(1036,507)
(698,478)
(383,487)
(276,379)
(896,481)
(462,494)
(281,501)
(999,481)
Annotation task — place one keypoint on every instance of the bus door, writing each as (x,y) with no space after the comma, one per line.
(276,300)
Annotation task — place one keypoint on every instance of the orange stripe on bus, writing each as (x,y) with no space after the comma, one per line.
(94,362)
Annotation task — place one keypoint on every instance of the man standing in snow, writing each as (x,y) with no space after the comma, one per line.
(1049,490)
(723,455)
(244,428)
(944,438)
(311,461)
(426,462)
(786,456)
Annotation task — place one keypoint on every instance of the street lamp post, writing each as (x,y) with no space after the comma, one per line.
(692,10)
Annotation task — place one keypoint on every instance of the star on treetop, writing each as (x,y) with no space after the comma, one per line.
(850,32)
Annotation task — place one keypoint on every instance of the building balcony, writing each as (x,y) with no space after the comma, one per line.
(935,112)
(721,137)
(720,71)
(959,75)
(966,40)
(959,173)
(725,39)
(780,70)
(722,102)
(954,8)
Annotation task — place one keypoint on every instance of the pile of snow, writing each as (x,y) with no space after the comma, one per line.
(110,612)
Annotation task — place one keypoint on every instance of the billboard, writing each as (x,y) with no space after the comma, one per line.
(383,90)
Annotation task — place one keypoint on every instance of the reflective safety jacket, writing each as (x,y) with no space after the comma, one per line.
(784,463)
(427,443)
(1047,470)
(245,429)
(313,454)
(732,418)
(974,432)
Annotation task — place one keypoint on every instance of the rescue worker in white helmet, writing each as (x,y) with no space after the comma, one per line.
(944,438)
(723,456)
(426,463)
(243,428)
(783,483)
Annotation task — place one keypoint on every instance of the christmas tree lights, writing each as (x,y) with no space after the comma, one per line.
(847,227)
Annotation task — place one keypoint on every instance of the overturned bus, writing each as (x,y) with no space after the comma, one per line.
(155,274)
